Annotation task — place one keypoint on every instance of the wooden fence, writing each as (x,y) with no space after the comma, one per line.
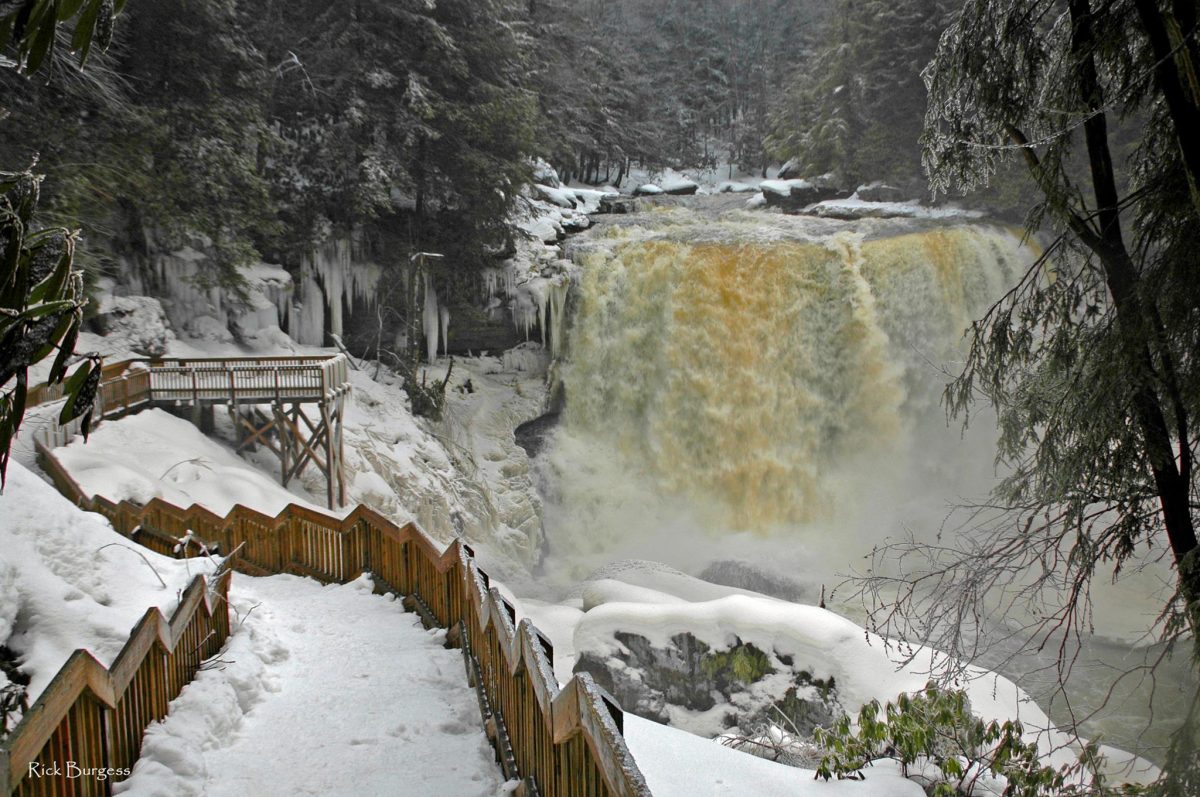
(93,717)
(561,742)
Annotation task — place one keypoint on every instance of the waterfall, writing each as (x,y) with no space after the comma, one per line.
(742,383)
(764,391)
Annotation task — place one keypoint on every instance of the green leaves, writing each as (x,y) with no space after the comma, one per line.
(936,730)
(32,26)
(41,308)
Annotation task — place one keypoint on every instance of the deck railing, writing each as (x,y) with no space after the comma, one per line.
(561,741)
(93,717)
(129,384)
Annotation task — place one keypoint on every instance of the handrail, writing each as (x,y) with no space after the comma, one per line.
(94,716)
(567,740)
(132,383)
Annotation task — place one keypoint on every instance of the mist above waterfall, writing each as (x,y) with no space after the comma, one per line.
(766,389)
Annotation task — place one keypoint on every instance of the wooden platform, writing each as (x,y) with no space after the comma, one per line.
(284,385)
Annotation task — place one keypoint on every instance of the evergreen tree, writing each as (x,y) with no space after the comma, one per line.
(857,106)
(1090,362)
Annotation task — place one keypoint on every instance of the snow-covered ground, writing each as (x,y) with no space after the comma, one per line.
(322,690)
(678,764)
(153,454)
(68,581)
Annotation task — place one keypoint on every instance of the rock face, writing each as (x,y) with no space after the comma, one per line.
(753,685)
(532,435)
(474,330)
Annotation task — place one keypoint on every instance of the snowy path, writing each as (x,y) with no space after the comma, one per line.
(327,690)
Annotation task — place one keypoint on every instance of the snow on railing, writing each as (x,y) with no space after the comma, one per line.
(562,741)
(92,717)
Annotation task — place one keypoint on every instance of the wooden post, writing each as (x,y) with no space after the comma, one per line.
(281,431)
(329,477)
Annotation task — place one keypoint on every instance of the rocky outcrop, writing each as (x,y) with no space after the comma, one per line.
(754,686)
(533,435)
(475,331)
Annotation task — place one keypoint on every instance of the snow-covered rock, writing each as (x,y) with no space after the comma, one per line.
(854,209)
(545,174)
(563,198)
(879,192)
(137,322)
(678,184)
(680,649)
(647,189)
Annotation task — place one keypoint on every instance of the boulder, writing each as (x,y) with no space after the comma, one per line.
(563,198)
(795,194)
(618,204)
(545,174)
(647,189)
(678,185)
(790,170)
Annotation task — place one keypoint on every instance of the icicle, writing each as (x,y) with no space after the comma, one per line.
(558,315)
(444,319)
(430,320)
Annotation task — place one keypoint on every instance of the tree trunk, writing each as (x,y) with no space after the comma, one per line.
(1177,60)
(1134,319)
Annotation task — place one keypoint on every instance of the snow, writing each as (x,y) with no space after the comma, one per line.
(153,454)
(783,187)
(563,198)
(61,589)
(678,764)
(588,199)
(824,643)
(321,690)
(648,189)
(854,208)
(672,182)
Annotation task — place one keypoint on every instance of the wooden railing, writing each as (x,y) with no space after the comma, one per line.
(562,742)
(566,742)
(92,717)
(130,384)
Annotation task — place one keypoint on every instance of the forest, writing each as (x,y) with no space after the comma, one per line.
(1012,271)
(270,126)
